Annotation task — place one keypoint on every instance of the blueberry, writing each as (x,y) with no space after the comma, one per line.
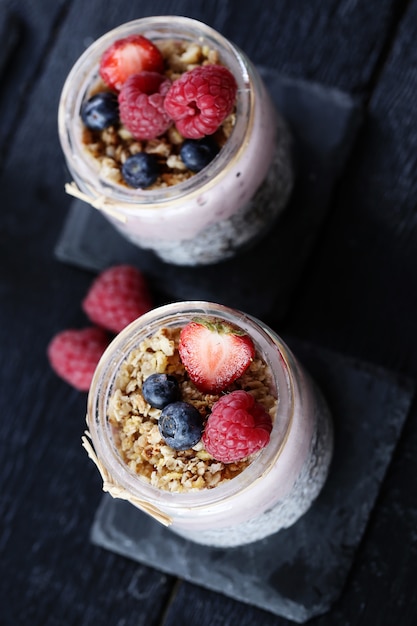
(140,170)
(100,111)
(197,153)
(160,390)
(180,425)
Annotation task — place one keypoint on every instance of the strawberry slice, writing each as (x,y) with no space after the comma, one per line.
(127,56)
(214,353)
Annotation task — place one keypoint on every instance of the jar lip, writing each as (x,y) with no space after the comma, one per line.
(104,377)
(80,78)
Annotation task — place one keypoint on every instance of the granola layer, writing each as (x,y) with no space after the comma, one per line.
(135,422)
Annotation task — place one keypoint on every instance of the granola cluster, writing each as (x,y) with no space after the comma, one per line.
(135,422)
(113,145)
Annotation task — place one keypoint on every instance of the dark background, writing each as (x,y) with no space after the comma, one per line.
(357,295)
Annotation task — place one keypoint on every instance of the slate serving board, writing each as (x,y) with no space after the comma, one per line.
(299,572)
(324,122)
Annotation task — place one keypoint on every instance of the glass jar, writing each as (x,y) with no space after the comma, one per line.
(224,207)
(273,491)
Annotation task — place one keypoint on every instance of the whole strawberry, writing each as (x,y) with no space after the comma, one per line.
(128,56)
(117,297)
(237,427)
(201,99)
(214,353)
(74,354)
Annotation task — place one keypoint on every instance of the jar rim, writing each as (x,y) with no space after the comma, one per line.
(133,201)
(273,350)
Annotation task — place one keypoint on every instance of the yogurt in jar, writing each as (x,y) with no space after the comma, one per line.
(219,210)
(217,503)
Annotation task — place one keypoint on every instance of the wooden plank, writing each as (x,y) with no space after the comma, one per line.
(26,30)
(362,284)
(365,261)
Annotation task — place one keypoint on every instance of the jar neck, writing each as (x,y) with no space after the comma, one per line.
(85,74)
(268,345)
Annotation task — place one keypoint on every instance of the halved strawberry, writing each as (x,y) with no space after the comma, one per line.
(214,353)
(127,56)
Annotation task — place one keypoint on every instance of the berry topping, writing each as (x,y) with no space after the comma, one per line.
(118,296)
(128,56)
(74,354)
(180,425)
(141,103)
(197,153)
(201,99)
(214,353)
(100,111)
(160,390)
(237,427)
(140,170)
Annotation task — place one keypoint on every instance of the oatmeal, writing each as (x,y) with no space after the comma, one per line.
(135,422)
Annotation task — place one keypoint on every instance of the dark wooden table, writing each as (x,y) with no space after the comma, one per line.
(357,295)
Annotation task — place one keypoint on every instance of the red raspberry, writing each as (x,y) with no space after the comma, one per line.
(141,105)
(74,354)
(128,56)
(201,99)
(237,427)
(118,296)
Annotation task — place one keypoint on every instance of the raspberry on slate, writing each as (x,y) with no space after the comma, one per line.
(118,296)
(141,104)
(128,56)
(74,354)
(214,353)
(201,99)
(237,427)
